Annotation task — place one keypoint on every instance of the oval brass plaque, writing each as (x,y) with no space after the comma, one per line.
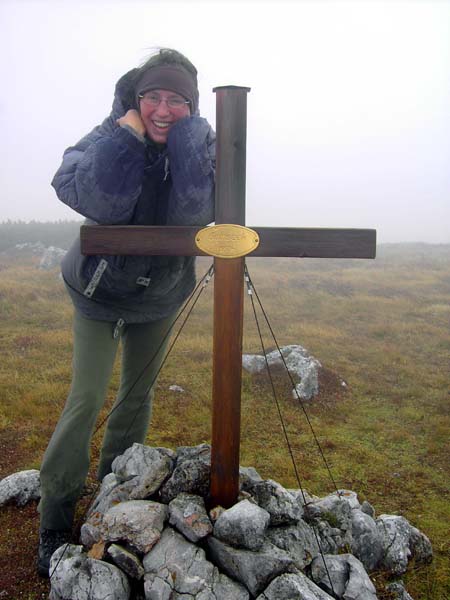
(227,241)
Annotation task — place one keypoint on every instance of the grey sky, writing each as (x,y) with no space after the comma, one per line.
(349,112)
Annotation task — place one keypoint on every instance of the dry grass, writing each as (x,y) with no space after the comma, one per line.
(382,326)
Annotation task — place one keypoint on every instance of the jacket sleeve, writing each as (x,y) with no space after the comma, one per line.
(101,176)
(192,158)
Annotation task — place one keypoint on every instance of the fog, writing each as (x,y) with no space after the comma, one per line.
(348,114)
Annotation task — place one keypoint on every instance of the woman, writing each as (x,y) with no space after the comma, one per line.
(151,162)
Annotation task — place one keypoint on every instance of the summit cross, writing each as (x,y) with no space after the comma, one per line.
(231,127)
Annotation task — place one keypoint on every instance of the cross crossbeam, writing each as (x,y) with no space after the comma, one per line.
(231,116)
(274,241)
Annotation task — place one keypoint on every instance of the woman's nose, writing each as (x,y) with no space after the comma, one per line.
(162,108)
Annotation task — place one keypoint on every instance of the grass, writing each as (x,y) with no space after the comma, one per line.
(382,326)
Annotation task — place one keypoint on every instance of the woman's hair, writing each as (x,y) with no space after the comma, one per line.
(167,56)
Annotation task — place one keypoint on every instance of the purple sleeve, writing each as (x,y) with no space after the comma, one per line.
(101,176)
(191,147)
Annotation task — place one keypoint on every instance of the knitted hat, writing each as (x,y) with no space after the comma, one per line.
(172,77)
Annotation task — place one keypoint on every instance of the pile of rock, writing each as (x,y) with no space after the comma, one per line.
(149,536)
(32,247)
(51,258)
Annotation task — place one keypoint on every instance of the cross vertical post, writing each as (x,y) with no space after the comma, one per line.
(231,129)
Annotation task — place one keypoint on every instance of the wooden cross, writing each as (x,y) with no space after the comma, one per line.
(231,125)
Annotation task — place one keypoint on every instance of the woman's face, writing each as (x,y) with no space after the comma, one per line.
(160,109)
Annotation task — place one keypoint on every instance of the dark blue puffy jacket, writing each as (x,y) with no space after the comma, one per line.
(113,178)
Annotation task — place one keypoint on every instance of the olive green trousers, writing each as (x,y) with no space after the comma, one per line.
(66,461)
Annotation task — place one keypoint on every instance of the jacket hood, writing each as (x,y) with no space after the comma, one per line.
(124,95)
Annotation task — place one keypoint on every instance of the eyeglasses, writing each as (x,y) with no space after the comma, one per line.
(154,99)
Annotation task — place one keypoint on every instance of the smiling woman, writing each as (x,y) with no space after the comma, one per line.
(159,110)
(151,162)
(164,95)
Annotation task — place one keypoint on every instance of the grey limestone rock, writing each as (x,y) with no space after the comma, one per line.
(283,508)
(139,459)
(367,543)
(201,452)
(332,540)
(187,513)
(90,533)
(293,587)
(112,492)
(253,363)
(245,496)
(243,525)
(335,521)
(368,509)
(127,561)
(52,258)
(224,587)
(20,488)
(299,362)
(147,468)
(349,580)
(137,474)
(420,546)
(337,506)
(137,522)
(33,247)
(176,568)
(75,576)
(191,474)
(401,542)
(176,388)
(119,493)
(109,482)
(303,497)
(397,591)
(156,588)
(395,533)
(248,476)
(350,497)
(298,540)
(254,569)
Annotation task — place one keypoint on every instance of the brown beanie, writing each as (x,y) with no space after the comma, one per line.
(169,77)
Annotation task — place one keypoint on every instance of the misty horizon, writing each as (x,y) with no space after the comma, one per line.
(348,121)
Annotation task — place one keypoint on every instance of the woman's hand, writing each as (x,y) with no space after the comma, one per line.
(132,119)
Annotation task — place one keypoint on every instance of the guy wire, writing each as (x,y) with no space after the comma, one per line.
(294,388)
(251,288)
(203,283)
(207,276)
(272,385)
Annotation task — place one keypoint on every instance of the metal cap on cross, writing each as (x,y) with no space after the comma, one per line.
(228,245)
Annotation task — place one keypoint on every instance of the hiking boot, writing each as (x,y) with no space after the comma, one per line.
(49,541)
